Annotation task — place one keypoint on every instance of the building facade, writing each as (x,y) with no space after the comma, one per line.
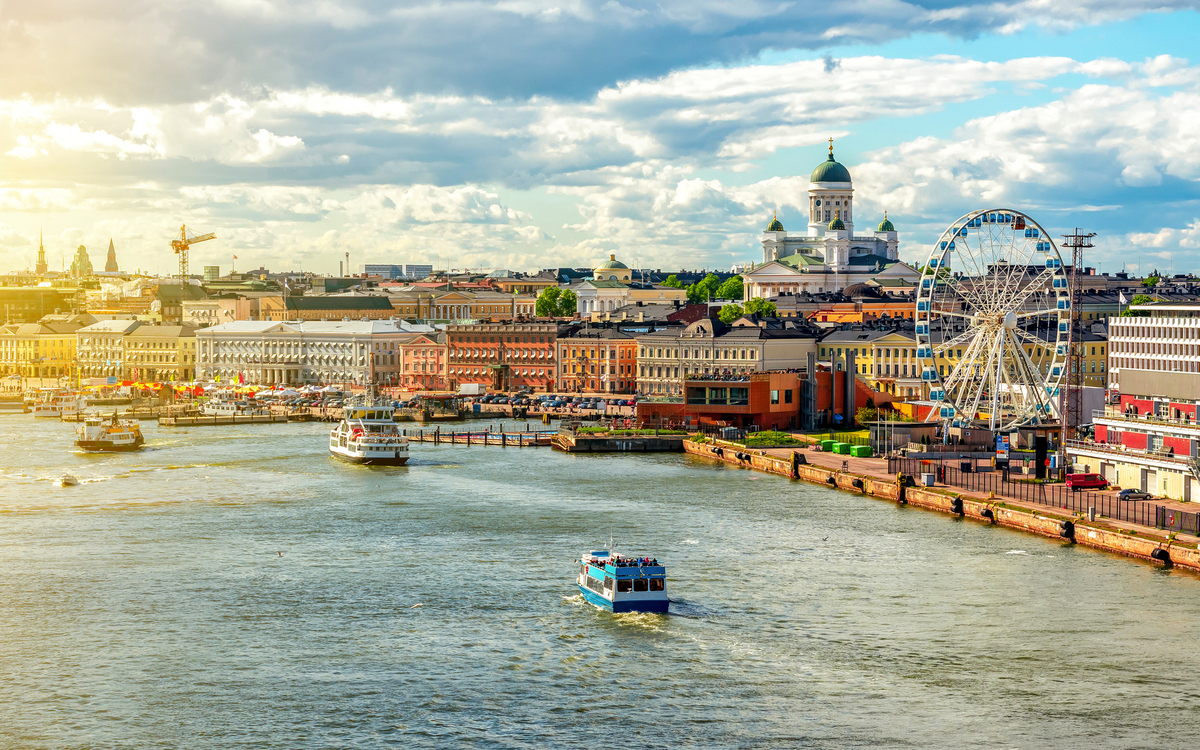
(449,304)
(669,356)
(598,360)
(160,353)
(300,352)
(330,307)
(1149,438)
(422,362)
(503,356)
(38,350)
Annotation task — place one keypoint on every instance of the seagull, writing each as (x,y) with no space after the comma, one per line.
(825,539)
(279,553)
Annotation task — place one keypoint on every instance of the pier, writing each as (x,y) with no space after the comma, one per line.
(496,438)
(199,421)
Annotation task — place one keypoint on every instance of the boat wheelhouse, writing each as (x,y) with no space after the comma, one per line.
(368,435)
(109,434)
(623,584)
(47,410)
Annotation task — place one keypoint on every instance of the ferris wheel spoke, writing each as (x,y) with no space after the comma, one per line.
(1037,283)
(1032,313)
(956,341)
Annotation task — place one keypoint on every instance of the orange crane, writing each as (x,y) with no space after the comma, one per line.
(182,244)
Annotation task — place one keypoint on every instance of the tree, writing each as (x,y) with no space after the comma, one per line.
(1138,299)
(548,302)
(1150,281)
(764,307)
(730,313)
(673,282)
(704,289)
(731,289)
(567,302)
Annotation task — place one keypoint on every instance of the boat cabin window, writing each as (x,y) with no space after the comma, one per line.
(624,586)
(639,584)
(657,584)
(608,582)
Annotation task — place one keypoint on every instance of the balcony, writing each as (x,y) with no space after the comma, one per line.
(1165,455)
(1115,414)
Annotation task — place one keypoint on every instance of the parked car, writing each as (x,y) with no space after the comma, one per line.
(1132,494)
(1079,482)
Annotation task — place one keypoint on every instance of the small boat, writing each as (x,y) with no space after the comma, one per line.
(109,434)
(222,409)
(368,435)
(66,480)
(623,584)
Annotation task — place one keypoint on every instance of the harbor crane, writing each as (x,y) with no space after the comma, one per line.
(181,245)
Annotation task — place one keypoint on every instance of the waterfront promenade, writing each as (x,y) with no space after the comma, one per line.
(870,476)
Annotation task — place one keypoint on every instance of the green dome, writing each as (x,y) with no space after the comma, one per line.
(886,225)
(775,225)
(830,171)
(612,262)
(836,224)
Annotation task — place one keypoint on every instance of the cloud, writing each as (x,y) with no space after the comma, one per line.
(144,52)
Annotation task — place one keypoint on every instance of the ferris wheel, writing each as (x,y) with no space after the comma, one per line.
(993,322)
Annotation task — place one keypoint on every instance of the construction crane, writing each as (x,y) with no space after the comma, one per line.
(182,244)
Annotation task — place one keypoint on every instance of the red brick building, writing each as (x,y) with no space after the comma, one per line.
(503,356)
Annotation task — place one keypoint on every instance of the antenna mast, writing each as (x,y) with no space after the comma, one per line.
(1077,241)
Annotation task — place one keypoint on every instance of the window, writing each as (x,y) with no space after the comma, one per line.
(624,586)
(639,584)
(774,397)
(657,584)
(787,396)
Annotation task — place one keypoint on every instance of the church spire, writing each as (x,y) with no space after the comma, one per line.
(41,268)
(110,265)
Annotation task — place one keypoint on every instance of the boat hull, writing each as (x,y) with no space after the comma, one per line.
(657,606)
(104,446)
(371,461)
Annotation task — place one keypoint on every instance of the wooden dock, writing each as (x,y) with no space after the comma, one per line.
(520,439)
(213,421)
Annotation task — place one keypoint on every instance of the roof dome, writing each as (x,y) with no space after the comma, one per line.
(836,224)
(886,224)
(775,225)
(612,262)
(860,290)
(829,170)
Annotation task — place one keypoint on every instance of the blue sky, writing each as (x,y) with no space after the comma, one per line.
(530,133)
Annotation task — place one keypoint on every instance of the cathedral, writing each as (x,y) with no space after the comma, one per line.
(829,256)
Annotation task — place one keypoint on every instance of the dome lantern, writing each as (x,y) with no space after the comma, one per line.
(830,170)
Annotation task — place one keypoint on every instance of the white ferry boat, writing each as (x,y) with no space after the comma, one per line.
(47,410)
(109,434)
(368,435)
(221,409)
(623,584)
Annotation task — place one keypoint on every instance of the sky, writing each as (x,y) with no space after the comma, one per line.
(528,134)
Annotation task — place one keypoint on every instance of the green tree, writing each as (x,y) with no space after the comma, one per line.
(673,282)
(567,301)
(1150,281)
(730,313)
(764,307)
(1138,299)
(864,414)
(548,301)
(704,289)
(731,289)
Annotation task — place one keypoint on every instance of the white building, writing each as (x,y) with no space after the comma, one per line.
(296,352)
(612,286)
(829,257)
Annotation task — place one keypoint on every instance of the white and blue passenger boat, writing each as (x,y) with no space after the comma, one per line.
(623,584)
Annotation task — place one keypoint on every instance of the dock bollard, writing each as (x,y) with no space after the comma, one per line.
(1091,512)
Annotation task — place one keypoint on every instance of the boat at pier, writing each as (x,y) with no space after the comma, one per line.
(368,435)
(47,410)
(109,434)
(623,584)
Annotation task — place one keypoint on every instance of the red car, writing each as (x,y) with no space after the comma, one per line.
(1079,482)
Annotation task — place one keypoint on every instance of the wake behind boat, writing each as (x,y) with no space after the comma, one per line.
(368,435)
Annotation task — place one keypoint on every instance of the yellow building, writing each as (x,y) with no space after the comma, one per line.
(38,350)
(160,353)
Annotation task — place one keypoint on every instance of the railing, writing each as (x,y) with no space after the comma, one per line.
(1163,454)
(1109,413)
(1052,495)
